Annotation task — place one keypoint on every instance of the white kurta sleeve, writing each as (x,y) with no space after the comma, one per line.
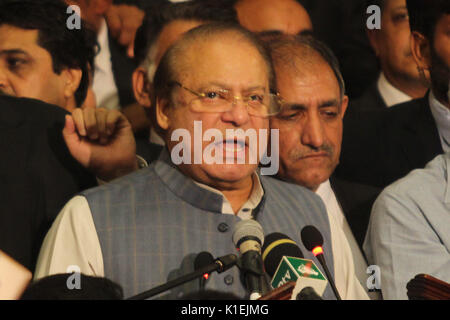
(71,243)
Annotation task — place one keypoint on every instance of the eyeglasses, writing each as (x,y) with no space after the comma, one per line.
(222,100)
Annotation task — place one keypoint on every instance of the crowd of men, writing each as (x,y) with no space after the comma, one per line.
(90,127)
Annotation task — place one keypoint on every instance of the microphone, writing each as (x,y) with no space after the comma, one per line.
(283,261)
(248,238)
(276,246)
(313,241)
(308,293)
(220,265)
(203,259)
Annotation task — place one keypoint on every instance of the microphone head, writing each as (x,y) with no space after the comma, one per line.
(203,259)
(311,237)
(308,293)
(276,246)
(247,230)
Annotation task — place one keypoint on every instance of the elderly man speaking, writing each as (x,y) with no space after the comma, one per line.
(147,228)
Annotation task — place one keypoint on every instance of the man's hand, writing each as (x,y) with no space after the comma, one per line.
(102,141)
(123,21)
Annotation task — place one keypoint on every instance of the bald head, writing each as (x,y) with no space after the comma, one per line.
(287,16)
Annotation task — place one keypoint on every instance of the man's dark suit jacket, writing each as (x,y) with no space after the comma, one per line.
(122,68)
(341,24)
(370,99)
(37,175)
(381,146)
(356,201)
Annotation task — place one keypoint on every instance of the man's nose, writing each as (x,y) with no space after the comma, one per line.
(313,133)
(238,114)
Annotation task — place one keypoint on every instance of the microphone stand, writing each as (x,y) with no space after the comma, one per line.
(328,274)
(218,265)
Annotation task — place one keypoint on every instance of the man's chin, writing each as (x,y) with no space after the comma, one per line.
(230,172)
(311,181)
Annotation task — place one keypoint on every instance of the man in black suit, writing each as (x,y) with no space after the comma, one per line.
(379,147)
(40,58)
(37,175)
(341,24)
(399,80)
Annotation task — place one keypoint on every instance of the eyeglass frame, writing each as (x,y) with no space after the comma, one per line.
(276,95)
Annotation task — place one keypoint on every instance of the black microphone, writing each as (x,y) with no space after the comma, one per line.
(308,293)
(220,265)
(313,241)
(203,259)
(248,238)
(276,246)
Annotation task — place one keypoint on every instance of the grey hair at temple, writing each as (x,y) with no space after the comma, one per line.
(289,49)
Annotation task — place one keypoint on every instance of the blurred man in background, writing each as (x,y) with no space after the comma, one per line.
(399,80)
(286,16)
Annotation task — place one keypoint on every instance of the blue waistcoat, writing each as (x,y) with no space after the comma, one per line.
(152,224)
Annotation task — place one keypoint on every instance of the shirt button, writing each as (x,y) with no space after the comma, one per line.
(223,227)
(228,280)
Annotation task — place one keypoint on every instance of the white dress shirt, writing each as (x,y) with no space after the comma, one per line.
(441,115)
(104,85)
(390,94)
(348,259)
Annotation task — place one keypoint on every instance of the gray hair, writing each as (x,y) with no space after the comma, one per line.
(286,49)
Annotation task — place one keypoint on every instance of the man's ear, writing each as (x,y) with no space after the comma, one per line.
(420,47)
(162,110)
(72,79)
(141,87)
(344,106)
(372,35)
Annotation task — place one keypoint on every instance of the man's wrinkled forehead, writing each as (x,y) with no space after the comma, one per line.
(214,54)
(301,65)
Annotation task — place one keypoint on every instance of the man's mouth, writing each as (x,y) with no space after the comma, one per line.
(232,148)
(315,155)
(233,145)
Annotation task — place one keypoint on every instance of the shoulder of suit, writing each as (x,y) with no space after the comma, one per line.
(139,180)
(15,111)
(409,106)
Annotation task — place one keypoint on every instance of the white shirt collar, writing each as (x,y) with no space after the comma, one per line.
(441,115)
(390,94)
(326,193)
